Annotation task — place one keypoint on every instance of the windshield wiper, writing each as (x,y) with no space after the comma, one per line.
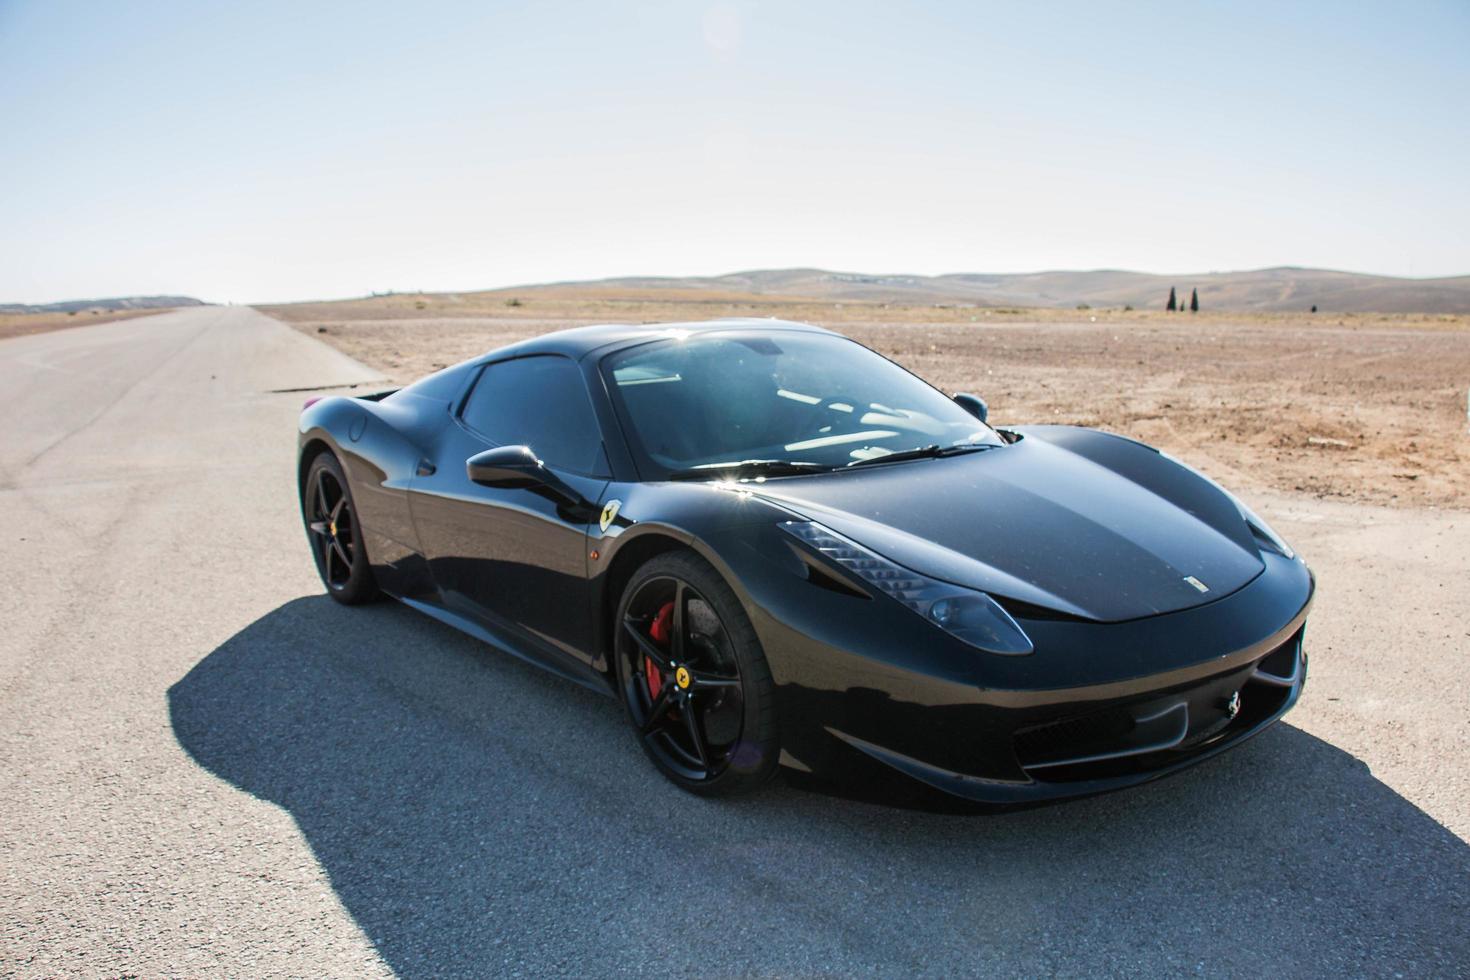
(932,451)
(742,468)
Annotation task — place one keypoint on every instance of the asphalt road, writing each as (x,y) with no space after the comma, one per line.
(207,767)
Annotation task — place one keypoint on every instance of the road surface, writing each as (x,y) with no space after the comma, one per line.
(209,768)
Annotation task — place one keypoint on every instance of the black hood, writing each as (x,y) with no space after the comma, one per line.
(1072,520)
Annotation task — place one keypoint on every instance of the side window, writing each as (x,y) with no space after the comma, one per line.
(540,402)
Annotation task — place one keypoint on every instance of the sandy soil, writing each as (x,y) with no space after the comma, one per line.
(20,324)
(1363,407)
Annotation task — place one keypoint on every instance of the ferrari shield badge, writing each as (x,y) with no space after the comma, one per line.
(609,512)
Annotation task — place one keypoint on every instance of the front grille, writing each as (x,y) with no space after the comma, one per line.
(1087,734)
(1161,727)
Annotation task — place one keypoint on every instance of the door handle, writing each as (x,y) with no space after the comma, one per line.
(425,468)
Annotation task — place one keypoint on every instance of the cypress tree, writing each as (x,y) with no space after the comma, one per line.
(1194,301)
(1173,304)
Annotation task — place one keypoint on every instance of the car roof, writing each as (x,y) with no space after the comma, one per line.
(577,342)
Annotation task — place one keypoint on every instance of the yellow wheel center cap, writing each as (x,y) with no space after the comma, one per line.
(681,677)
(332,527)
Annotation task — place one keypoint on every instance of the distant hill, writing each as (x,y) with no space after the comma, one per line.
(119,303)
(1279,289)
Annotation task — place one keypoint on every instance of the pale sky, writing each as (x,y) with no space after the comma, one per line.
(288,150)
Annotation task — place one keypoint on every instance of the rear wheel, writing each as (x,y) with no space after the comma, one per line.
(335,534)
(694,679)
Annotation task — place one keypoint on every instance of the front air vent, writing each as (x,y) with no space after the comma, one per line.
(1071,737)
(824,577)
(1282,666)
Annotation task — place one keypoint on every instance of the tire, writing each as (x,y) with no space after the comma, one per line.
(336,544)
(703,739)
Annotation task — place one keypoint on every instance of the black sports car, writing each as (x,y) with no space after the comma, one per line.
(776,546)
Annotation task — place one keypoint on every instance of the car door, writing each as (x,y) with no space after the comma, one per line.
(513,558)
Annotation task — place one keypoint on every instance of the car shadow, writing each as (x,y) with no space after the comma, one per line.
(476,815)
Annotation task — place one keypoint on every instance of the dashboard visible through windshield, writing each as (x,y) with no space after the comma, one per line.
(717,400)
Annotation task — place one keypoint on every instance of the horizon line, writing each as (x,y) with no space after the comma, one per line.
(745,272)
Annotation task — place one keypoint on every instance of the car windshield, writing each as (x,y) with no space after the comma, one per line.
(777,397)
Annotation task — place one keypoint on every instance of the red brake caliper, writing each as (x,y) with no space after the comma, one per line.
(659,630)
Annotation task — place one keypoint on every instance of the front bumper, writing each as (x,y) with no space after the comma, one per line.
(867,689)
(1127,742)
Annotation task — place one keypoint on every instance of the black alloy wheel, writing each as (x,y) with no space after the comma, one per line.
(694,681)
(335,534)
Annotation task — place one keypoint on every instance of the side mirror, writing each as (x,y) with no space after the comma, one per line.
(517,468)
(973,404)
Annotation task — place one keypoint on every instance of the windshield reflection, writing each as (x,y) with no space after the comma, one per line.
(762,399)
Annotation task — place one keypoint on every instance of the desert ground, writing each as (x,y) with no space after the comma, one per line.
(209,768)
(20,324)
(1361,407)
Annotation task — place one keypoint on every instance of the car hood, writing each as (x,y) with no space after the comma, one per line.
(1071,520)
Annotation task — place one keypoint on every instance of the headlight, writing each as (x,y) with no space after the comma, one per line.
(971,616)
(1257,524)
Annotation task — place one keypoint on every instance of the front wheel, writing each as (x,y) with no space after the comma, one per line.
(694,679)
(335,533)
